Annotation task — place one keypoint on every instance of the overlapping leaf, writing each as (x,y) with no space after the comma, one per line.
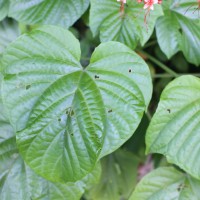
(174,129)
(59,12)
(175,32)
(18,181)
(128,28)
(187,8)
(65,116)
(167,183)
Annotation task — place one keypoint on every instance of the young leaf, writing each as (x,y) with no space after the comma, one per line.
(118,178)
(174,128)
(65,115)
(167,183)
(168,35)
(128,28)
(60,12)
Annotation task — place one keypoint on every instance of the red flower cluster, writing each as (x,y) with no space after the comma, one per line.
(149,3)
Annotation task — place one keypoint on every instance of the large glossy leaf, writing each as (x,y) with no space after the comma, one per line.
(167,183)
(18,181)
(9,31)
(105,17)
(4,5)
(174,129)
(118,178)
(62,12)
(65,116)
(125,85)
(175,32)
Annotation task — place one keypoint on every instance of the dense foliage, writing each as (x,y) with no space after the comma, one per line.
(99,99)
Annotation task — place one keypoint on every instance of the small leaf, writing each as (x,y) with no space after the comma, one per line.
(60,12)
(69,117)
(167,31)
(174,128)
(128,28)
(167,183)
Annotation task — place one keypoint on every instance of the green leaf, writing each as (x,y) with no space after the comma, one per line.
(128,28)
(167,183)
(175,32)
(4,6)
(167,31)
(9,31)
(125,85)
(187,8)
(118,178)
(60,12)
(174,129)
(189,43)
(67,117)
(18,181)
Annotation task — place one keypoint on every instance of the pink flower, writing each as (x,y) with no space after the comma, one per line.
(149,3)
(123,1)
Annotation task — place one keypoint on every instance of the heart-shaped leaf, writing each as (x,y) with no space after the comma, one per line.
(18,181)
(61,12)
(174,129)
(167,183)
(65,116)
(128,27)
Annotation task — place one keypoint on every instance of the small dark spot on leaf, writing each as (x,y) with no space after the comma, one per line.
(96,76)
(129,70)
(169,111)
(28,87)
(59,119)
(181,187)
(180,30)
(109,111)
(71,113)
(72,134)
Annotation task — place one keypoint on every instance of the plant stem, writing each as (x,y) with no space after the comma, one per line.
(171,76)
(161,65)
(150,44)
